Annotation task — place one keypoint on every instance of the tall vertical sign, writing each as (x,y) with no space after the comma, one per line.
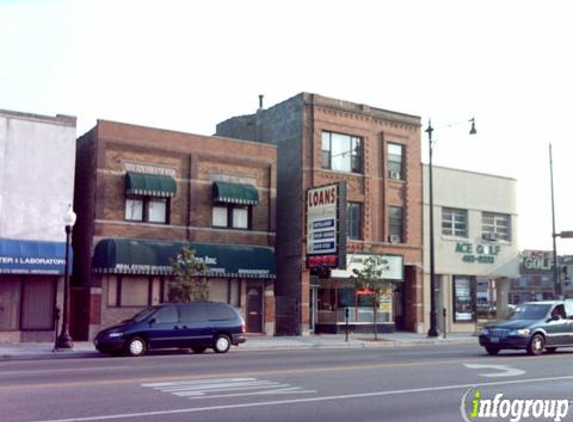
(326,226)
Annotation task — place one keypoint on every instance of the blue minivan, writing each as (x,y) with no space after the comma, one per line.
(191,325)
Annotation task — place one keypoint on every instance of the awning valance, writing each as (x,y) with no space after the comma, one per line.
(134,256)
(33,257)
(235,193)
(150,184)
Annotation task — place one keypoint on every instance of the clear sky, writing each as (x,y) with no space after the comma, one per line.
(187,65)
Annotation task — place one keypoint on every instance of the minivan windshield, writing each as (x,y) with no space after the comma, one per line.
(531,311)
(143,314)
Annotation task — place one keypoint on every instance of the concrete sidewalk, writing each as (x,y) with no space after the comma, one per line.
(401,339)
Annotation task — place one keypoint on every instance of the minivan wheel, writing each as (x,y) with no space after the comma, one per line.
(136,347)
(536,345)
(222,343)
(198,349)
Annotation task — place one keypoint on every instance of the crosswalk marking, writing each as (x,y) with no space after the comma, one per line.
(225,388)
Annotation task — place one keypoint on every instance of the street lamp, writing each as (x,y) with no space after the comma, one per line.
(64,340)
(434,331)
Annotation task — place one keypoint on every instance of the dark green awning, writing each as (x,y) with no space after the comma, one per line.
(131,256)
(235,193)
(150,184)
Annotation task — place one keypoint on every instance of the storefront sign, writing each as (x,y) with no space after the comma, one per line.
(326,226)
(478,253)
(392,266)
(536,261)
(29,257)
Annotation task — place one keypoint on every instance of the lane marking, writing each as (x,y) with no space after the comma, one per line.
(86,383)
(506,370)
(303,400)
(231,387)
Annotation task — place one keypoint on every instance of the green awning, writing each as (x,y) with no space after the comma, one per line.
(150,184)
(134,256)
(235,193)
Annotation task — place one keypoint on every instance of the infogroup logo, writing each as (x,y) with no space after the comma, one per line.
(475,407)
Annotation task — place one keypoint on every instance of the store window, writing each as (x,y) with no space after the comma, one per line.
(354,226)
(232,216)
(10,288)
(395,161)
(496,226)
(38,304)
(454,222)
(147,209)
(341,152)
(135,291)
(396,224)
(464,302)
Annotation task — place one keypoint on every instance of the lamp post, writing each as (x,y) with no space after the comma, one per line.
(64,340)
(434,331)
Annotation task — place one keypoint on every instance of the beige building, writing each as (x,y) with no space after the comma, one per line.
(475,240)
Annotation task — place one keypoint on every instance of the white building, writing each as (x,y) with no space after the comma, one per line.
(37,159)
(475,241)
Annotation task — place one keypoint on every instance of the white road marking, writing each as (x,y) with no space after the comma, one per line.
(507,371)
(305,400)
(228,387)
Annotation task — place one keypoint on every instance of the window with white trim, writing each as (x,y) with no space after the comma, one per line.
(395,161)
(496,226)
(232,216)
(454,222)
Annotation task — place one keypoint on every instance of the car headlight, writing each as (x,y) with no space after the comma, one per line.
(484,332)
(521,332)
(115,335)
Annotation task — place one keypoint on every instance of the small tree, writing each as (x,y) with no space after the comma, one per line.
(369,277)
(188,284)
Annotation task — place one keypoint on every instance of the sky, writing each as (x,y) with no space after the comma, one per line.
(187,65)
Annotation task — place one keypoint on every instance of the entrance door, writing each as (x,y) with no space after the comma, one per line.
(254,309)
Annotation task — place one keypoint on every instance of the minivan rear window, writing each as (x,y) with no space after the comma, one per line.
(220,312)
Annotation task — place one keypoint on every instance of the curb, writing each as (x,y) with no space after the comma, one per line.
(351,344)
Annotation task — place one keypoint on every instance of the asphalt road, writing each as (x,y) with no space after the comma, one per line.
(375,384)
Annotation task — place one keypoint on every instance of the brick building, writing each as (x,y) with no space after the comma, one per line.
(377,153)
(143,192)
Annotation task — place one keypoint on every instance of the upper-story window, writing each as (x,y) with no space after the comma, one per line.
(396,224)
(341,152)
(147,209)
(454,222)
(354,213)
(496,226)
(233,205)
(396,161)
(148,197)
(232,216)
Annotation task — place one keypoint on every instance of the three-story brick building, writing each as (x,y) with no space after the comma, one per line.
(377,153)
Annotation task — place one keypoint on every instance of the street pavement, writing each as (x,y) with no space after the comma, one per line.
(255,342)
(433,383)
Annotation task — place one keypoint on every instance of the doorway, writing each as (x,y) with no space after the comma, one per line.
(254,309)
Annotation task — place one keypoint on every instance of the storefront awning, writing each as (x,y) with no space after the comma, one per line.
(150,184)
(131,256)
(32,257)
(235,193)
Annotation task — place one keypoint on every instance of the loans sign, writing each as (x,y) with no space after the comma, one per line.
(326,223)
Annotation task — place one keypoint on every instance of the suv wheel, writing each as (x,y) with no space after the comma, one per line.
(222,343)
(136,347)
(491,350)
(536,345)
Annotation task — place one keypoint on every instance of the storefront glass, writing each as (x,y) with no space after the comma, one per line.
(464,303)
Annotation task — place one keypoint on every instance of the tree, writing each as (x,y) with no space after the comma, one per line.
(188,284)
(369,278)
